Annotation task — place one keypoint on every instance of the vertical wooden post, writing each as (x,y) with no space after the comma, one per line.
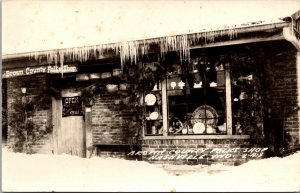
(164,107)
(56,124)
(228,99)
(87,136)
(298,88)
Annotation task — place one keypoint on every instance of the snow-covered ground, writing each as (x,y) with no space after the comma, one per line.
(21,172)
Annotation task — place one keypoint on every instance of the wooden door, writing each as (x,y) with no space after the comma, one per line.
(71,134)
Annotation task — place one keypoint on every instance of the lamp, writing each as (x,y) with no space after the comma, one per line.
(23,89)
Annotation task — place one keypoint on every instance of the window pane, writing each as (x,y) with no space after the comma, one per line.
(153,113)
(196,100)
(242,92)
(153,121)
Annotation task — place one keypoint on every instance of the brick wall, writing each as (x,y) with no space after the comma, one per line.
(226,151)
(283,99)
(41,117)
(112,124)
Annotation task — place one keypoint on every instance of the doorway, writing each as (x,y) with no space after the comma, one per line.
(70,129)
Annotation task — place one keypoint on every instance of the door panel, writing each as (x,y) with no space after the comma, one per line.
(71,132)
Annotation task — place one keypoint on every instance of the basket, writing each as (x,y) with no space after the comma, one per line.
(205,113)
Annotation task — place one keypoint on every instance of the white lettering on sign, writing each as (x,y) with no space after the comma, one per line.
(72,100)
(64,69)
(41,69)
(30,71)
(72,106)
(8,73)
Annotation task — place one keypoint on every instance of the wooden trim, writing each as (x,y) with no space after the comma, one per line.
(240,29)
(298,89)
(289,35)
(56,121)
(228,99)
(197,137)
(164,107)
(87,130)
(113,144)
(240,41)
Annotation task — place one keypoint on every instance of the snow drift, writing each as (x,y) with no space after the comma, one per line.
(38,172)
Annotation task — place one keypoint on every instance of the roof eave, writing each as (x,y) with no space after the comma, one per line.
(240,29)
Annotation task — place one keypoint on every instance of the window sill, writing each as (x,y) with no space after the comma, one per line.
(198,137)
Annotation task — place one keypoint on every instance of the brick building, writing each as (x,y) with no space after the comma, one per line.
(227,88)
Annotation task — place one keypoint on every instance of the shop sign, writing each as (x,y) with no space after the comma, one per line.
(72,106)
(38,70)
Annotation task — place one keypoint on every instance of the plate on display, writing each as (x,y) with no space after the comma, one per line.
(150,99)
(198,128)
(205,113)
(154,115)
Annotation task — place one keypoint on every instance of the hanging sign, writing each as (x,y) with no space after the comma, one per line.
(72,106)
(41,69)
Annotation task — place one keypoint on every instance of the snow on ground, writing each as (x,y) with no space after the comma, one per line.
(21,172)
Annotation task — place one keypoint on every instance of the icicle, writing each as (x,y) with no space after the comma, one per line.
(130,50)
(61,60)
(54,55)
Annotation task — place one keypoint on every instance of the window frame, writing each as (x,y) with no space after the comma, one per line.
(228,115)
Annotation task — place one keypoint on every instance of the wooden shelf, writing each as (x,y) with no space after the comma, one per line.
(154,91)
(177,89)
(153,134)
(193,134)
(202,136)
(173,75)
(155,105)
(191,73)
(154,120)
(186,104)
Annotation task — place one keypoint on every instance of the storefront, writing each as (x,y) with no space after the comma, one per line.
(230,88)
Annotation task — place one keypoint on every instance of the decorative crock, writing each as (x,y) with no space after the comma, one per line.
(105,75)
(82,77)
(116,72)
(124,86)
(112,87)
(94,75)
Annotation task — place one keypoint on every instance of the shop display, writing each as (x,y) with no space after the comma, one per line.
(150,99)
(206,114)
